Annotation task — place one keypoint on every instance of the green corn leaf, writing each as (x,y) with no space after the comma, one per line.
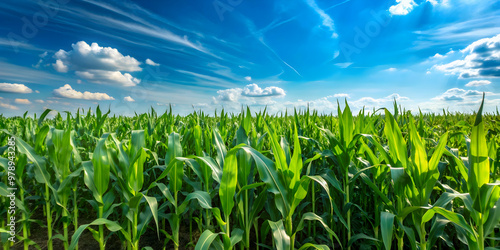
(360,236)
(479,171)
(314,246)
(101,164)
(175,150)
(205,240)
(312,216)
(281,239)
(228,183)
(236,236)
(153,205)
(111,225)
(386,227)
(457,219)
(203,199)
(397,145)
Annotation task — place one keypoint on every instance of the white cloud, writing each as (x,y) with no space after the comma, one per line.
(251,91)
(22,101)
(482,60)
(87,57)
(67,92)
(436,2)
(59,66)
(371,102)
(402,7)
(477,83)
(103,65)
(438,56)
(109,77)
(40,101)
(327,105)
(456,99)
(341,95)
(8,106)
(456,94)
(14,88)
(327,21)
(150,62)
(390,69)
(128,99)
(248,78)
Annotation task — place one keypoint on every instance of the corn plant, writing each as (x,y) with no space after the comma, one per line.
(301,179)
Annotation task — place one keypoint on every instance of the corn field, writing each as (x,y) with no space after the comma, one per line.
(301,180)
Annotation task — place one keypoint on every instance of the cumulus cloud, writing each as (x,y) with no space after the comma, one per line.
(40,101)
(59,66)
(456,99)
(371,102)
(438,56)
(67,91)
(84,56)
(250,91)
(150,62)
(456,94)
(109,77)
(327,105)
(128,99)
(482,60)
(14,88)
(22,101)
(8,106)
(98,64)
(341,95)
(248,78)
(477,83)
(402,7)
(253,90)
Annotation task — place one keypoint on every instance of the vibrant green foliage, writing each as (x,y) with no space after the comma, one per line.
(251,181)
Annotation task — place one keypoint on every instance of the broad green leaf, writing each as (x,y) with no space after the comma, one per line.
(229,179)
(175,150)
(205,240)
(314,246)
(359,237)
(479,171)
(313,216)
(101,164)
(386,227)
(111,225)
(281,239)
(397,144)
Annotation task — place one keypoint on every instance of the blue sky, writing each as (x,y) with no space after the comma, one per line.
(133,55)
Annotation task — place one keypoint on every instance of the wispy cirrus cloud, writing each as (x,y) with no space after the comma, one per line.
(327,21)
